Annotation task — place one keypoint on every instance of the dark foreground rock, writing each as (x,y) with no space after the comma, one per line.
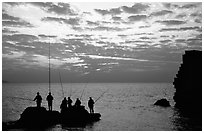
(162,102)
(34,118)
(78,116)
(188,85)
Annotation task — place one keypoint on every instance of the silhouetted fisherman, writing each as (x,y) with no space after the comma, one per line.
(91,105)
(49,100)
(38,99)
(69,101)
(63,105)
(77,103)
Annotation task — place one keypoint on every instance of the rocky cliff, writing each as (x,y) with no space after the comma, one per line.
(188,84)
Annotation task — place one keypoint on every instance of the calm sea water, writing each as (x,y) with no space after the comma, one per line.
(124,107)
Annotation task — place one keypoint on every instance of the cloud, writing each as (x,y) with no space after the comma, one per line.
(145,26)
(81,64)
(14,54)
(136,41)
(106,28)
(198,21)
(164,36)
(195,41)
(190,28)
(115,11)
(185,6)
(109,42)
(92,23)
(70,21)
(102,12)
(7,31)
(122,35)
(43,61)
(137,18)
(113,58)
(147,38)
(57,8)
(19,38)
(115,18)
(171,22)
(111,63)
(169,29)
(13,3)
(8,17)
(196,14)
(46,36)
(191,5)
(182,15)
(180,29)
(112,11)
(10,21)
(167,5)
(165,41)
(136,8)
(161,13)
(16,24)
(180,40)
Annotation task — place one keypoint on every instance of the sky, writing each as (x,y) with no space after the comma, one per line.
(98,42)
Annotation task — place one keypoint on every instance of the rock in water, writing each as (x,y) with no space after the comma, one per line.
(162,102)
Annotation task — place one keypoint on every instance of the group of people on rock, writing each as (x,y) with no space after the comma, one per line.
(66,103)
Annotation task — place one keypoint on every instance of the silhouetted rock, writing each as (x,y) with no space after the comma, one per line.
(38,117)
(78,116)
(188,84)
(162,102)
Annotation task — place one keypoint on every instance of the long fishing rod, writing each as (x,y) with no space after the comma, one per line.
(101,95)
(82,94)
(49,69)
(70,89)
(84,89)
(27,99)
(61,85)
(21,98)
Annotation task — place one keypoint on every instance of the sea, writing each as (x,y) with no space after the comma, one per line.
(123,106)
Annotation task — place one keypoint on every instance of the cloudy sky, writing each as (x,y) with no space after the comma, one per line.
(98,42)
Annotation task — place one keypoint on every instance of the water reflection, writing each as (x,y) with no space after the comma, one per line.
(186,122)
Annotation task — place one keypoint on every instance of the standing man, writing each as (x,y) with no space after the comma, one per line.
(63,105)
(49,100)
(69,101)
(77,103)
(91,105)
(38,99)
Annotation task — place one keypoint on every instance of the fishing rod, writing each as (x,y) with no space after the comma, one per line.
(49,69)
(84,89)
(70,89)
(81,94)
(27,99)
(61,85)
(101,95)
